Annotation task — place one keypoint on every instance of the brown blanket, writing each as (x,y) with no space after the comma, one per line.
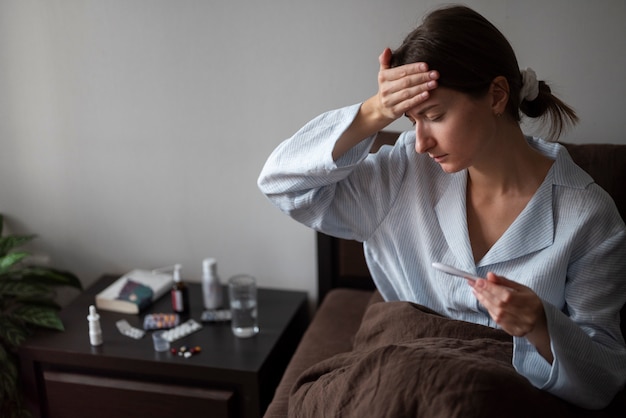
(408,361)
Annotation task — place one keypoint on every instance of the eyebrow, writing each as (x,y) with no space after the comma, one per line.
(424,110)
(427,108)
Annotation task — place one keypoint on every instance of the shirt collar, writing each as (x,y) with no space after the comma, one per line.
(565,172)
(532,230)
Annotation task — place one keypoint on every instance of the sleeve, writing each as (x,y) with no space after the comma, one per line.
(589,366)
(336,197)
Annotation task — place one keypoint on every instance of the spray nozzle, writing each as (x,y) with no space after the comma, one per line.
(93,314)
(177,268)
(208,265)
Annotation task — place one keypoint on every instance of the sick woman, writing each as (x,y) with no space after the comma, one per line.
(466,187)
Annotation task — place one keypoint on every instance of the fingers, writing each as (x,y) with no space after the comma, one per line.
(408,76)
(503,281)
(404,87)
(406,83)
(385,59)
(514,307)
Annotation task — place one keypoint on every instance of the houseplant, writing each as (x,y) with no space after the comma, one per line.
(27,301)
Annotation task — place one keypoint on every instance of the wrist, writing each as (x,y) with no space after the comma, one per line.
(372,112)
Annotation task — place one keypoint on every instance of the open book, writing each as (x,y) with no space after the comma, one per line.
(134,291)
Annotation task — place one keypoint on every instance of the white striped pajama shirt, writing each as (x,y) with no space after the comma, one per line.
(568,244)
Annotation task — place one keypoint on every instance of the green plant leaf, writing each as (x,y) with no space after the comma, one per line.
(40,316)
(44,301)
(10,260)
(23,289)
(11,398)
(26,301)
(12,332)
(13,241)
(46,275)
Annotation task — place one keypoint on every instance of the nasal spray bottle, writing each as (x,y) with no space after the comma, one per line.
(211,285)
(180,293)
(95,331)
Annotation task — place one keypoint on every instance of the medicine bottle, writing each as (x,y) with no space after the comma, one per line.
(95,331)
(180,293)
(211,285)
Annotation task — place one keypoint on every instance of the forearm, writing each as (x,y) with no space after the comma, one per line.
(300,171)
(368,121)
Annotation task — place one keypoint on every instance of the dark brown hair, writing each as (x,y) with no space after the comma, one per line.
(469,52)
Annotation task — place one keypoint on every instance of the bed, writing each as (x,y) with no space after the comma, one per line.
(363,357)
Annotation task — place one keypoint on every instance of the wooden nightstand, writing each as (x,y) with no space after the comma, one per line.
(64,376)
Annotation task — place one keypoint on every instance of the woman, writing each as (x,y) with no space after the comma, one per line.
(468,189)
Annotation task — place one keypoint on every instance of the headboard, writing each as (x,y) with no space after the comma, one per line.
(341,262)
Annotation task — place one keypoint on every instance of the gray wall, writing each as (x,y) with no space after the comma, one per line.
(133,131)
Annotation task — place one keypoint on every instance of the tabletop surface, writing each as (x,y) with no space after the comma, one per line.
(221,350)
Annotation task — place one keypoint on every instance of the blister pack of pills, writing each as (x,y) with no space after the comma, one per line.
(126,329)
(216,315)
(160,321)
(181,330)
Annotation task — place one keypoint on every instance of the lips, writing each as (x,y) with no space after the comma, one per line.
(438,158)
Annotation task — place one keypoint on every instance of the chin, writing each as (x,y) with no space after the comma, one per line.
(451,169)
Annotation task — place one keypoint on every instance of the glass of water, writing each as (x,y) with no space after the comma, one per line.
(243,301)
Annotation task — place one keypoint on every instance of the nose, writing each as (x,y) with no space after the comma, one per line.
(423,140)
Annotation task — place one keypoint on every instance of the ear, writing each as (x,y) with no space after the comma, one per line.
(499,91)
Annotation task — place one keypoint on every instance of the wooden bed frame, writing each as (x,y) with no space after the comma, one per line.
(340,263)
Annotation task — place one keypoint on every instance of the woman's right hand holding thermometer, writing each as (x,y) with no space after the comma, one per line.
(518,310)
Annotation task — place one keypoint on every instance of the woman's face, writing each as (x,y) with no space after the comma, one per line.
(454,128)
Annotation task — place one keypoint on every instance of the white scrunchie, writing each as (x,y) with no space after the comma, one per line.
(530,85)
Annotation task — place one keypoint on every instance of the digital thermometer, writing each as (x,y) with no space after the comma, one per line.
(456,272)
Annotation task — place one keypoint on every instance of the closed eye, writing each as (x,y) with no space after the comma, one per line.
(429,118)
